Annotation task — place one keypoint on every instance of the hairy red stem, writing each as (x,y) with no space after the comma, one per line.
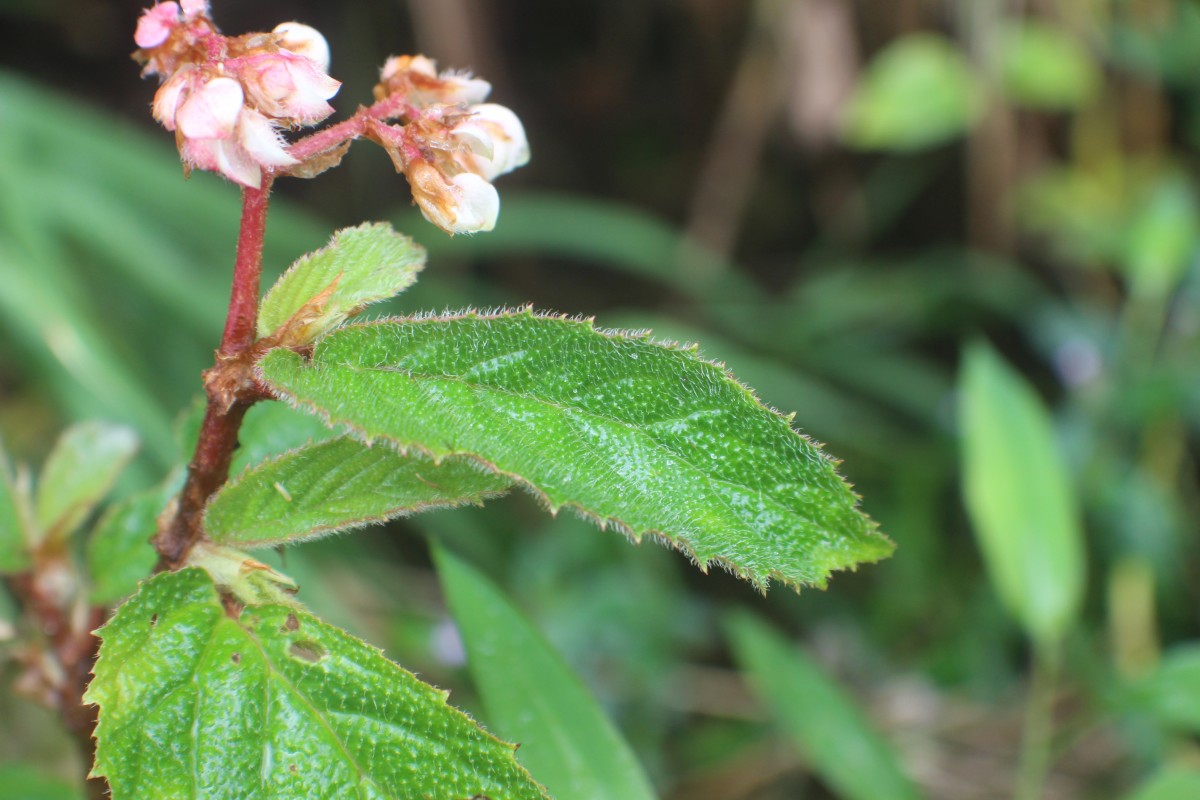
(229,385)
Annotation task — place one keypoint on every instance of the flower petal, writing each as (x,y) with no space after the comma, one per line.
(211,112)
(155,24)
(262,141)
(304,40)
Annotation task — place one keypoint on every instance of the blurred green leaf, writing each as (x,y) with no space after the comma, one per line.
(1043,66)
(337,484)
(1019,497)
(359,266)
(532,697)
(85,463)
(1172,692)
(643,436)
(917,92)
(1171,783)
(1162,237)
(14,538)
(274,705)
(818,714)
(21,782)
(120,552)
(618,236)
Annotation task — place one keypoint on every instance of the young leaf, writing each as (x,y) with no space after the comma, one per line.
(274,705)
(531,696)
(840,744)
(81,469)
(360,266)
(1043,66)
(336,484)
(1020,498)
(1172,692)
(917,92)
(14,539)
(643,436)
(119,551)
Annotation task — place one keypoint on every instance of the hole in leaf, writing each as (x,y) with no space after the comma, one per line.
(290,624)
(306,651)
(153,620)
(292,768)
(236,658)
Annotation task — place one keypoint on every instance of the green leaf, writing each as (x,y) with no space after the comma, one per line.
(360,266)
(646,437)
(1162,238)
(825,722)
(917,92)
(1019,497)
(1042,66)
(120,552)
(23,783)
(1172,692)
(337,484)
(14,534)
(80,471)
(1171,783)
(274,705)
(531,695)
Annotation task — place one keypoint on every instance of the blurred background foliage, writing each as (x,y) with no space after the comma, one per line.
(837,199)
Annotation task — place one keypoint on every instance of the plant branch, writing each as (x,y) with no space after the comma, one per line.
(229,385)
(1039,724)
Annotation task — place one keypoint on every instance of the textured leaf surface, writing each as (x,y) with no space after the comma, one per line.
(361,265)
(640,435)
(337,484)
(81,469)
(531,696)
(274,704)
(1020,498)
(839,742)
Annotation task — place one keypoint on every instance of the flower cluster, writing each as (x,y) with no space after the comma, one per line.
(452,145)
(226,98)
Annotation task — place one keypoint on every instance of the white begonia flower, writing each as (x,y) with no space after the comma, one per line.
(304,40)
(465,203)
(478,204)
(172,93)
(211,112)
(496,139)
(194,8)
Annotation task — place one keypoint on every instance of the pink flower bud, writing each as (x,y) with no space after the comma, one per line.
(288,87)
(155,24)
(416,77)
(304,41)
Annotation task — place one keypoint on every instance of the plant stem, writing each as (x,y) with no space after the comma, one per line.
(1039,725)
(230,386)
